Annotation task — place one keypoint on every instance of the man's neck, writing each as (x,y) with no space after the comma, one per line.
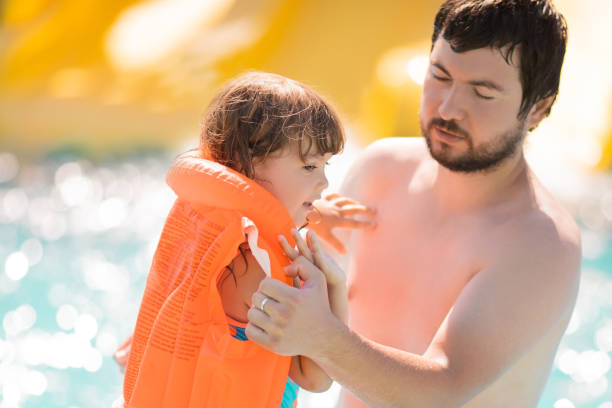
(458,192)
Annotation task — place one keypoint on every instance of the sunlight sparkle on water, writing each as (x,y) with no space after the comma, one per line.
(66,316)
(16,266)
(15,204)
(33,250)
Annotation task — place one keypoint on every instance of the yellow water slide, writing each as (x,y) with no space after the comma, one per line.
(113,75)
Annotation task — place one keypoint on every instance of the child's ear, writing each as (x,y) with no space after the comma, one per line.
(539,111)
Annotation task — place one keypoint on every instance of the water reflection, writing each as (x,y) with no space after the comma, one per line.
(77,239)
(76,244)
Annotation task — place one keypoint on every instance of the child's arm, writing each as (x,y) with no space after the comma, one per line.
(308,375)
(305,372)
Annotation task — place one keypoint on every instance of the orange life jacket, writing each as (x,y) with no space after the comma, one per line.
(183,354)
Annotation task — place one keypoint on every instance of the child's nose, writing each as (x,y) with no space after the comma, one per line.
(323,183)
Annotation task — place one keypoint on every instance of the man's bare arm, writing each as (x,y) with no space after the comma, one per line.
(500,315)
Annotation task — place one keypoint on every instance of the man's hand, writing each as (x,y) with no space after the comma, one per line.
(335,211)
(293,321)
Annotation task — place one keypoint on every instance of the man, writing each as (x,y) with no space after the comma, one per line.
(462,293)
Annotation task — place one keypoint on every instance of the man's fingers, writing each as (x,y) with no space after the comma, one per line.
(263,338)
(271,307)
(256,334)
(278,290)
(258,317)
(255,330)
(291,253)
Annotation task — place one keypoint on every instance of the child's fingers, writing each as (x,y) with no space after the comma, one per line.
(302,247)
(291,253)
(320,260)
(355,208)
(323,261)
(357,224)
(331,196)
(342,201)
(314,245)
(291,270)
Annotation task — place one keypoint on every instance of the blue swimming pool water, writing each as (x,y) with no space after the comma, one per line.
(76,240)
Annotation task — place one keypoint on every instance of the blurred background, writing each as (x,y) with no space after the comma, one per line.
(97,97)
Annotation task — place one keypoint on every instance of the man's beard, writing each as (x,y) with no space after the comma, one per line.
(485,157)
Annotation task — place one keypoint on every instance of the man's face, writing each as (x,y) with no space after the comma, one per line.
(469,108)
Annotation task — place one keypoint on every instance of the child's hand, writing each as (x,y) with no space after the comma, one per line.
(122,354)
(335,211)
(311,250)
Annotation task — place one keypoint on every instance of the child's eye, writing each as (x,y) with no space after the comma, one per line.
(309,167)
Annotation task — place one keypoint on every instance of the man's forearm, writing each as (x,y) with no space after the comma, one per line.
(385,377)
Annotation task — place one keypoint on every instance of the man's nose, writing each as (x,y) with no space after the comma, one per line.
(452,107)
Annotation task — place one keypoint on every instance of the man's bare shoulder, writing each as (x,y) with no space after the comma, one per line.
(394,151)
(548,235)
(384,161)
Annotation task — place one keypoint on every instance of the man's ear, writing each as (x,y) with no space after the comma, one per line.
(538,112)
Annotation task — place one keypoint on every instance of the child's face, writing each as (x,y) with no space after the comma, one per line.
(296,184)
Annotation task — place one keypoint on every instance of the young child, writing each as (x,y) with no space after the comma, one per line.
(265,141)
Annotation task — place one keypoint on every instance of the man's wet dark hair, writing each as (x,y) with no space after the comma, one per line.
(534,28)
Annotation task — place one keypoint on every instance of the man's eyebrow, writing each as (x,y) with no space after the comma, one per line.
(483,82)
(440,67)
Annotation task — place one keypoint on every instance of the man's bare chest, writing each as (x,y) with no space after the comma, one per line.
(413,261)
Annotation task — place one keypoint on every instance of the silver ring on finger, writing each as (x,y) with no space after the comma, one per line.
(263,304)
